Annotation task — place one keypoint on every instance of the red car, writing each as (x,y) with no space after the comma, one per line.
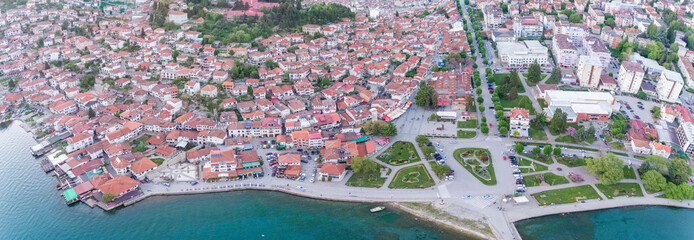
(504,158)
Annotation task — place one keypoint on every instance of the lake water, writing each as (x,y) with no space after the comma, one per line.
(31,208)
(634,223)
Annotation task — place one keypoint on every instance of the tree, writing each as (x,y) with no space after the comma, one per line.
(539,121)
(656,112)
(679,171)
(555,77)
(364,165)
(426,96)
(534,72)
(519,148)
(422,140)
(656,163)
(480,99)
(608,168)
(537,150)
(653,181)
(440,170)
(484,129)
(374,127)
(91,113)
(503,130)
(548,150)
(556,151)
(557,124)
(679,192)
(576,18)
(390,130)
(479,90)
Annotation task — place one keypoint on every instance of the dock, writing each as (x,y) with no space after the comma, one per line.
(46,165)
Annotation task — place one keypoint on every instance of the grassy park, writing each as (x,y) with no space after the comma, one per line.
(629,172)
(537,134)
(550,178)
(467,124)
(566,195)
(399,154)
(415,176)
(466,134)
(370,180)
(571,161)
(527,166)
(620,189)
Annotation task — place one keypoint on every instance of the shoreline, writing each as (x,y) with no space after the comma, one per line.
(447,224)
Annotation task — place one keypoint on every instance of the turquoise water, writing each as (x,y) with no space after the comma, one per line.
(31,208)
(645,222)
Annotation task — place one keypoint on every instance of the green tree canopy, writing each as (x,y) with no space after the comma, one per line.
(364,165)
(608,168)
(653,181)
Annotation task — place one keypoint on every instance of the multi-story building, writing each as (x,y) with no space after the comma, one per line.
(493,16)
(589,71)
(527,27)
(685,135)
(630,77)
(596,48)
(520,122)
(519,54)
(669,86)
(576,32)
(564,50)
(177,17)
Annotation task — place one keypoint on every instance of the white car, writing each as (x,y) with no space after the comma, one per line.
(313,180)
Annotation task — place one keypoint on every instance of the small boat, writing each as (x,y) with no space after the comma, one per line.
(377,209)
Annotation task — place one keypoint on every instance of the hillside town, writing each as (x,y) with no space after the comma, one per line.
(497,107)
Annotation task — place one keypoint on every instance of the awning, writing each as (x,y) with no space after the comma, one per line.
(69,194)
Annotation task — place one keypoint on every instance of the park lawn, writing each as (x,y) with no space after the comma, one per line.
(158,161)
(566,195)
(566,139)
(618,146)
(542,102)
(496,77)
(551,179)
(536,167)
(620,189)
(629,172)
(466,134)
(537,134)
(532,84)
(539,158)
(571,161)
(415,176)
(512,103)
(472,123)
(579,148)
(400,153)
(490,168)
(371,180)
(619,153)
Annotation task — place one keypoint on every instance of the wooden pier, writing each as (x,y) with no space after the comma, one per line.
(46,165)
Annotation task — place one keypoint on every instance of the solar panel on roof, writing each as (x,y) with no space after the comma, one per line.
(216,155)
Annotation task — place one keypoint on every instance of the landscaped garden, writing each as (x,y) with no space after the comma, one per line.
(369,180)
(538,157)
(472,123)
(399,154)
(466,134)
(618,146)
(527,166)
(566,195)
(158,161)
(478,162)
(550,178)
(415,176)
(571,161)
(620,189)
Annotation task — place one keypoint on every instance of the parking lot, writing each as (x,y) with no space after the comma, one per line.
(629,107)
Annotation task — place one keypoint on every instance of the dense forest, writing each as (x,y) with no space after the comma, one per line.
(288,17)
